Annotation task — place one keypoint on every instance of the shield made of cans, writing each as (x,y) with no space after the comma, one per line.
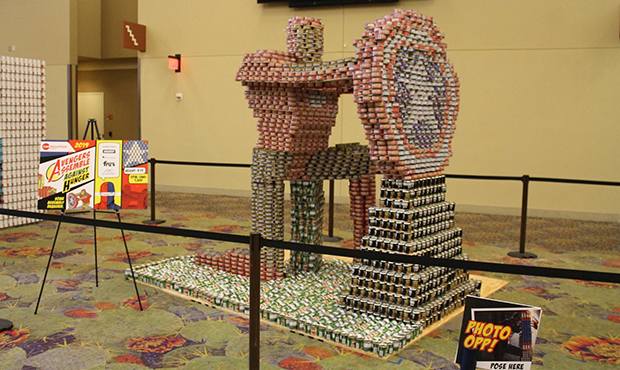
(407,94)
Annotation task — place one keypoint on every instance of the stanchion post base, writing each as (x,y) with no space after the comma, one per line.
(153,222)
(331,239)
(522,255)
(5,325)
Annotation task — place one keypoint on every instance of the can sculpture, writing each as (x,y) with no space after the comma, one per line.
(407,96)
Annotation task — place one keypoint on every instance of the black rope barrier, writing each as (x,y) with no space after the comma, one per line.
(533,178)
(483,177)
(450,176)
(572,181)
(451,263)
(190,233)
(208,164)
(525,180)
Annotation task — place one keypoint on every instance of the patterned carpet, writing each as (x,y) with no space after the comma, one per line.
(80,326)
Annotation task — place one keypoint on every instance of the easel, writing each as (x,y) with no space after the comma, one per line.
(92,125)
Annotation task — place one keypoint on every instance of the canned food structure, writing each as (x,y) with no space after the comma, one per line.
(307,201)
(22,126)
(420,226)
(306,302)
(407,96)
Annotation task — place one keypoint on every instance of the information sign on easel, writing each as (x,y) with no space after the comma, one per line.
(79,175)
(93,175)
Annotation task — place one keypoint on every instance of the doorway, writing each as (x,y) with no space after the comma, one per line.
(119,85)
(90,105)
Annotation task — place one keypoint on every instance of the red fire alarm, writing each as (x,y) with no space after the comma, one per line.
(174,62)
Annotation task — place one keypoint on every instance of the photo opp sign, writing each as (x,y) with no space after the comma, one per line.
(497,335)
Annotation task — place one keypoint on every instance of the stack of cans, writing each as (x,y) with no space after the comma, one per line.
(268,209)
(270,165)
(234,261)
(344,161)
(268,171)
(406,89)
(308,201)
(268,66)
(267,213)
(413,219)
(305,302)
(362,195)
(291,119)
(304,39)
(22,126)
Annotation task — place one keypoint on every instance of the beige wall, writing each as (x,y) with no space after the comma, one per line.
(39,29)
(100,25)
(89,28)
(57,103)
(113,13)
(539,93)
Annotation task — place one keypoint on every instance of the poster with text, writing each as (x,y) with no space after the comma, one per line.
(66,175)
(78,175)
(108,179)
(497,335)
(135,180)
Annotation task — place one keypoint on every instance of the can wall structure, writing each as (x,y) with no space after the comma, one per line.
(22,126)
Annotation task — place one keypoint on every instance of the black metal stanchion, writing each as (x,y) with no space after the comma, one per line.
(522,253)
(255,246)
(95,241)
(48,265)
(133,276)
(330,231)
(152,221)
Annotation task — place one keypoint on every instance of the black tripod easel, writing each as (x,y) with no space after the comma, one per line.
(92,125)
